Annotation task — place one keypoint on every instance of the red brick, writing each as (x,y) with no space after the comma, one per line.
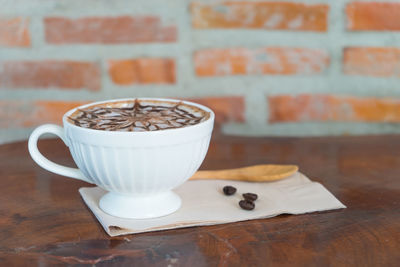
(17,114)
(50,74)
(226,109)
(372,61)
(271,60)
(142,71)
(261,15)
(373,16)
(14,32)
(286,108)
(108,30)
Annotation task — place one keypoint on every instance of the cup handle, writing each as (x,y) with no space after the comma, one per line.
(44,162)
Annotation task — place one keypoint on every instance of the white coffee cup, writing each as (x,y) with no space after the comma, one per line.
(138,169)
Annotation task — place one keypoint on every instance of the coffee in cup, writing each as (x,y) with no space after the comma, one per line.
(138,116)
(138,150)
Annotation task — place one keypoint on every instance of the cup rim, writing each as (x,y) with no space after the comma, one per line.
(210,118)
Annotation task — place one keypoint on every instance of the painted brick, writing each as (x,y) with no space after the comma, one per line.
(14,32)
(226,109)
(50,74)
(286,108)
(17,113)
(373,16)
(372,61)
(108,30)
(142,71)
(261,15)
(271,60)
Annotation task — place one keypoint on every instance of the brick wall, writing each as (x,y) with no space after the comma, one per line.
(303,67)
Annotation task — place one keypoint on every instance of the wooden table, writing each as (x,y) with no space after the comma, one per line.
(43,220)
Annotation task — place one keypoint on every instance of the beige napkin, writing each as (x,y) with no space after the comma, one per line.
(203,203)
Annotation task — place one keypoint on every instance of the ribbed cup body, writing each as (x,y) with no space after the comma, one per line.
(140,170)
(139,163)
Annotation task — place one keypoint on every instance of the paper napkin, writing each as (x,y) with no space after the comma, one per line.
(203,203)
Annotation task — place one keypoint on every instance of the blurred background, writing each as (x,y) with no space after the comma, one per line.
(269,68)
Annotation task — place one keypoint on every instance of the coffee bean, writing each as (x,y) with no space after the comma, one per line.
(250,196)
(229,190)
(246,204)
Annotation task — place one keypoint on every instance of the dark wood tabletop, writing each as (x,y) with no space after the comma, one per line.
(43,220)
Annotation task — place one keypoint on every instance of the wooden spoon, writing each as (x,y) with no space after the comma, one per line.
(256,173)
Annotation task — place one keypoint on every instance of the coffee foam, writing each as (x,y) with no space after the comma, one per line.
(138,116)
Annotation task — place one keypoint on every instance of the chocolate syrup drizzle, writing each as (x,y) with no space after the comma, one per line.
(137,117)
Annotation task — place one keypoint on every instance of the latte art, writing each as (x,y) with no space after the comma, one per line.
(138,116)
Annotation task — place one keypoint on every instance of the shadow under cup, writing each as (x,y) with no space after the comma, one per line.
(138,169)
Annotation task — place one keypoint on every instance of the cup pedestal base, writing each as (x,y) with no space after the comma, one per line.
(140,207)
